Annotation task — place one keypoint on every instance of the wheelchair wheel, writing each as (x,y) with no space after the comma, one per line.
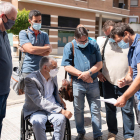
(22,127)
(67,135)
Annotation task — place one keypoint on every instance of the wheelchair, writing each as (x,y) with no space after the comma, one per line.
(26,129)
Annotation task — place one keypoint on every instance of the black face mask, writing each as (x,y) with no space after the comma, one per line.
(8,25)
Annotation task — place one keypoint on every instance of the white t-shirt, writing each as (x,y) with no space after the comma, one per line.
(49,89)
(115,64)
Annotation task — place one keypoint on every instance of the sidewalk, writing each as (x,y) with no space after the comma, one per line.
(11,125)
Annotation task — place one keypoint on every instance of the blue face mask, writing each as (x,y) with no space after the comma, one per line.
(8,25)
(37,26)
(82,45)
(123,45)
(112,40)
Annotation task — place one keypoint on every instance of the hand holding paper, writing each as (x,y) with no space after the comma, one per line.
(111,100)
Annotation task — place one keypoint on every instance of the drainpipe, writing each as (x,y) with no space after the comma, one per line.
(100,25)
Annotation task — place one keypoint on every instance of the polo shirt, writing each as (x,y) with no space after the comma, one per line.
(31,61)
(84,58)
(134,59)
(5,63)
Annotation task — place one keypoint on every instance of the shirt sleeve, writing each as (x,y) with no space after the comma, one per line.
(23,38)
(98,54)
(46,39)
(138,53)
(67,55)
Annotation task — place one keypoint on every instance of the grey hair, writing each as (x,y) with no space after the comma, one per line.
(46,60)
(6,8)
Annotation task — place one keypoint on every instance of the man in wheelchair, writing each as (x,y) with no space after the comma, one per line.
(42,101)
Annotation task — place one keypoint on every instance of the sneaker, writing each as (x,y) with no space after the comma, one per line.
(130,138)
(98,138)
(80,137)
(111,136)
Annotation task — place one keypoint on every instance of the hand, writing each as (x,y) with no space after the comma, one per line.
(101,77)
(90,80)
(21,49)
(66,113)
(84,76)
(121,101)
(121,83)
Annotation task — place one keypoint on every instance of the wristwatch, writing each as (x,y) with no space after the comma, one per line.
(90,73)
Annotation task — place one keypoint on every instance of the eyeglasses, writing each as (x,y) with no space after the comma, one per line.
(82,42)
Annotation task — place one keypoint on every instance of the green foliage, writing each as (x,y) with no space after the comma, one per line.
(21,22)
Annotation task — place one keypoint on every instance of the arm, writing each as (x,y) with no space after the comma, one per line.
(127,80)
(36,50)
(134,87)
(73,71)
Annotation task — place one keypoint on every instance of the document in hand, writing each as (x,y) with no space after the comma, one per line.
(111,100)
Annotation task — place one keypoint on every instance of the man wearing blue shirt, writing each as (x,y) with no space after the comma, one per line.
(87,63)
(34,43)
(125,36)
(8,15)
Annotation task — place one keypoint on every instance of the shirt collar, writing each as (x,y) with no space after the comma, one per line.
(32,32)
(43,78)
(135,40)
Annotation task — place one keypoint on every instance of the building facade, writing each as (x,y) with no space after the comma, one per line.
(60,17)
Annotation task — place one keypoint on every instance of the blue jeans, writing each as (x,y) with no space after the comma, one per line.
(91,91)
(112,91)
(3,99)
(39,119)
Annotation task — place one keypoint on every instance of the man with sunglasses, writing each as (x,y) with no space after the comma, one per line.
(8,15)
(115,66)
(87,62)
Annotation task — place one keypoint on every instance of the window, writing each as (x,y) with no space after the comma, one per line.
(46,20)
(134,3)
(68,22)
(132,20)
(64,37)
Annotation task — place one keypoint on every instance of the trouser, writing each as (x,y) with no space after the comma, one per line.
(92,93)
(136,101)
(112,91)
(3,99)
(39,119)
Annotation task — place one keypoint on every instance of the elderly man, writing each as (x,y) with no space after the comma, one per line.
(8,15)
(43,101)
(113,69)
(87,62)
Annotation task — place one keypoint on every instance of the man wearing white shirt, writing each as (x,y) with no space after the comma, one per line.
(42,101)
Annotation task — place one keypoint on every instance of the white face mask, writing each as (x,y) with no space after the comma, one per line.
(53,72)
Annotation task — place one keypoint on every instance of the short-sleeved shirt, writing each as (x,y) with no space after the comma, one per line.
(31,61)
(134,58)
(5,63)
(84,58)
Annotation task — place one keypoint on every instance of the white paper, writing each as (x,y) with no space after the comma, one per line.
(110,100)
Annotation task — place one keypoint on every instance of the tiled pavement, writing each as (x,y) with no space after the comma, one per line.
(11,125)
